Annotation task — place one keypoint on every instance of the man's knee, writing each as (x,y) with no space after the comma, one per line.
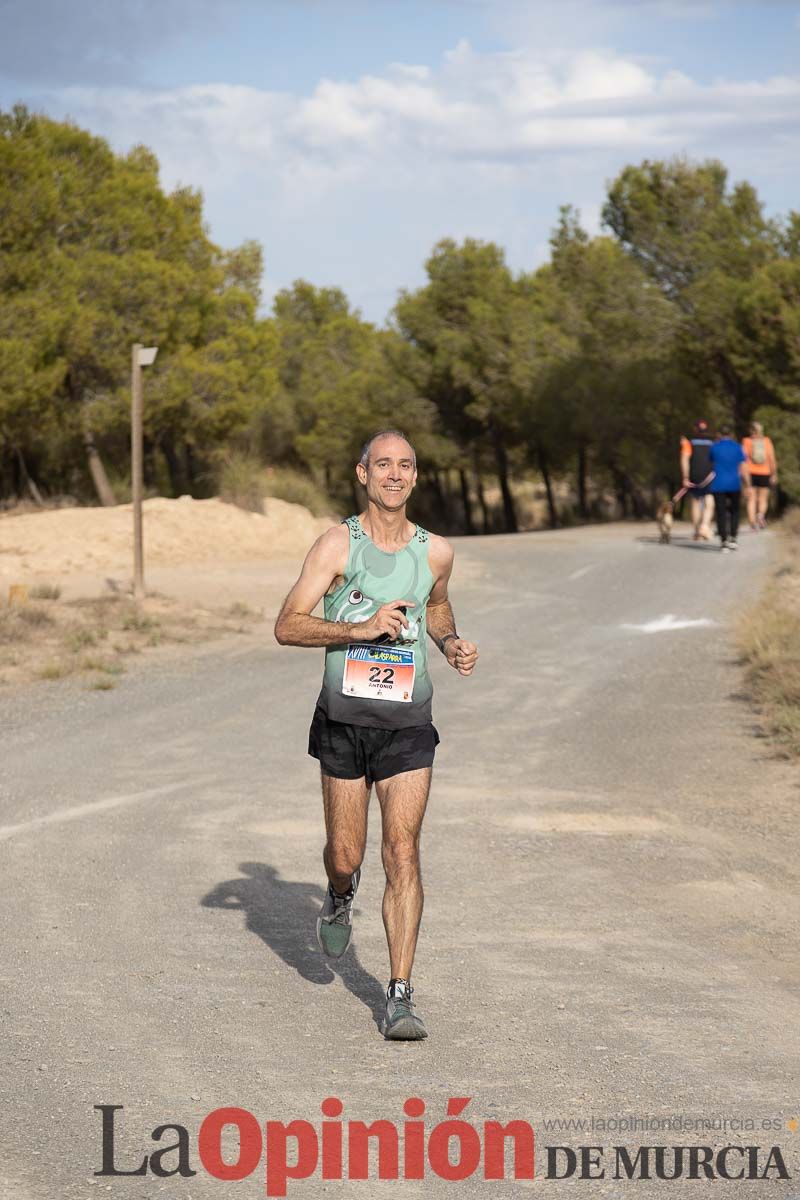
(401,857)
(343,857)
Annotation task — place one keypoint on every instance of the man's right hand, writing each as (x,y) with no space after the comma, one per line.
(387,620)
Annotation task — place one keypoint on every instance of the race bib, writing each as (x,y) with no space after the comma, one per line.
(379,672)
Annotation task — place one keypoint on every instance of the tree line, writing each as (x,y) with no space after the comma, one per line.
(583,372)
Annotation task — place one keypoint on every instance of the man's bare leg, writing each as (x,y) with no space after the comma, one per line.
(403,799)
(346,802)
(751,507)
(706,515)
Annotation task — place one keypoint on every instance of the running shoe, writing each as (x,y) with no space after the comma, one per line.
(335,920)
(725,547)
(402,1023)
(733,544)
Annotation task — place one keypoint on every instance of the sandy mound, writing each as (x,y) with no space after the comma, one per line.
(70,540)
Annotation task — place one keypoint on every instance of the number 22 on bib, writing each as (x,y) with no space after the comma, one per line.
(379,672)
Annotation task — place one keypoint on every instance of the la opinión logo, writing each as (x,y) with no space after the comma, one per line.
(453,1149)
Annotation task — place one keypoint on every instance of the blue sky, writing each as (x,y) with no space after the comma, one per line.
(348,136)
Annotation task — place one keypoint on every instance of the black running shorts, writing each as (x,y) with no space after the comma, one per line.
(356,751)
(759,480)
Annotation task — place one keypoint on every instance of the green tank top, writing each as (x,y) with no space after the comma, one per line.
(385,685)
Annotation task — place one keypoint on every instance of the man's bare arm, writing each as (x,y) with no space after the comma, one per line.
(295,626)
(460,654)
(325,562)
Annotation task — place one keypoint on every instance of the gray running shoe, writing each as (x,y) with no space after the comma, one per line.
(733,544)
(335,920)
(401,1023)
(725,547)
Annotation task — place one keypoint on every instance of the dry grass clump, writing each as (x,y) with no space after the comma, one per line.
(45,639)
(45,591)
(769,638)
(243,480)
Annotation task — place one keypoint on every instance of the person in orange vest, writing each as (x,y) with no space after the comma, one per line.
(696,475)
(763,468)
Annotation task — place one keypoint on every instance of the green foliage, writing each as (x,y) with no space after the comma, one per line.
(711,252)
(590,367)
(337,381)
(94,256)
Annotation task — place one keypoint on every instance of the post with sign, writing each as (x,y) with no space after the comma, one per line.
(142,356)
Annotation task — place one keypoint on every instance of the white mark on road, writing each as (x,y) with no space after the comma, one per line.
(581,571)
(669,622)
(85,810)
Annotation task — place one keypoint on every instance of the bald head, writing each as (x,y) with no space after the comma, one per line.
(370,446)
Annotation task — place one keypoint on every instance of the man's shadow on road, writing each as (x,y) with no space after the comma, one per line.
(283,914)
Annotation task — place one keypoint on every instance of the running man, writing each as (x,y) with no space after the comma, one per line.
(763,469)
(729,463)
(384,582)
(696,471)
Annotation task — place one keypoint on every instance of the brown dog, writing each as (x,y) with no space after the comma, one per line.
(664,518)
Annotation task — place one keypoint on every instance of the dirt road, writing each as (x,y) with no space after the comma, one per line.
(611,867)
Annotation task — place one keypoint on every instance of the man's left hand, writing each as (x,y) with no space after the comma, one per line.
(461,655)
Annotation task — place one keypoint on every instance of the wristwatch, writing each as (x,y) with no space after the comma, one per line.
(444,639)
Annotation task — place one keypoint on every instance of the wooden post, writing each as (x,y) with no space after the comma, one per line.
(136,472)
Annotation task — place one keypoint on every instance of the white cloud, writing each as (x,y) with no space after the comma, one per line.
(380,166)
(502,107)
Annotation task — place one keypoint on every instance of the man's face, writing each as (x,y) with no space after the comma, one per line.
(389,476)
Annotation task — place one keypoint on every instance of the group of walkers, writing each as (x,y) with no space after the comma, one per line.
(714,471)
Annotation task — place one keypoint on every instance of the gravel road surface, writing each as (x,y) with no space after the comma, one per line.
(611,869)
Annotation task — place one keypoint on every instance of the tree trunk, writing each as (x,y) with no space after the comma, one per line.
(548,487)
(469,527)
(622,489)
(583,504)
(148,463)
(191,468)
(509,512)
(105,493)
(638,500)
(435,484)
(26,479)
(482,502)
(176,478)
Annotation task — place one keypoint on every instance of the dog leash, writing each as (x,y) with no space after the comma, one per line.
(679,495)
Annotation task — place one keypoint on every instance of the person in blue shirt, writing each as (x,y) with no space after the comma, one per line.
(729,464)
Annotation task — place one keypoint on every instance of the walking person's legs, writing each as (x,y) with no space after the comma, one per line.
(722,516)
(706,515)
(763,504)
(753,503)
